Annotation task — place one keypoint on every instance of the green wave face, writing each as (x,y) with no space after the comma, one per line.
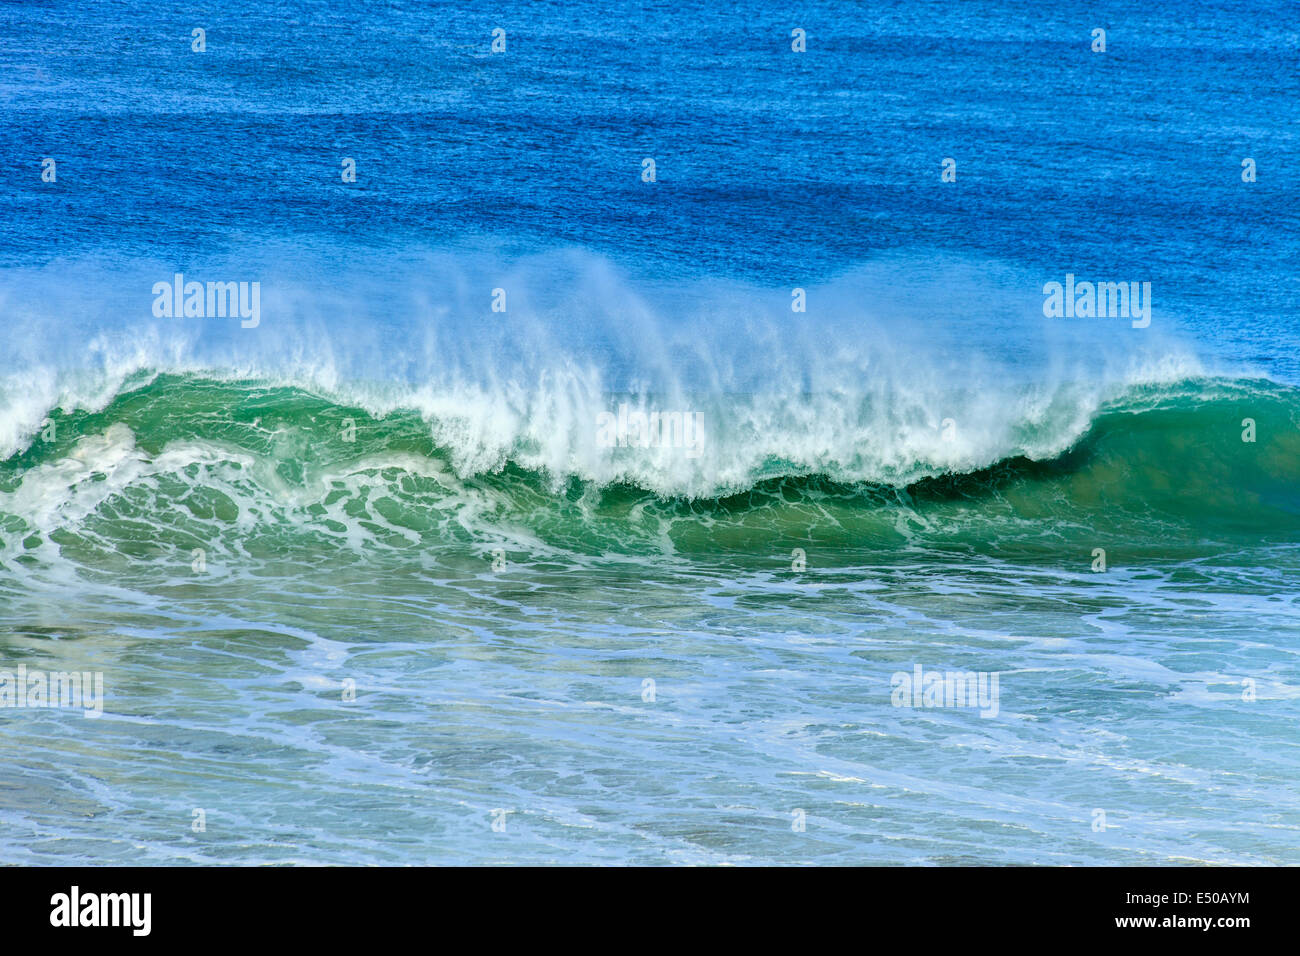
(280,474)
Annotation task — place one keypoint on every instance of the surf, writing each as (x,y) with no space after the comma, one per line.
(1168,471)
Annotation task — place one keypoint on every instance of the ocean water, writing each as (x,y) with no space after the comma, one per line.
(378,571)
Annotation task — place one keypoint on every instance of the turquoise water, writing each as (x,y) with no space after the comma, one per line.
(367,579)
(482,686)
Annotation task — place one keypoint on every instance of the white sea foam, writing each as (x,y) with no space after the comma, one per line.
(896,371)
